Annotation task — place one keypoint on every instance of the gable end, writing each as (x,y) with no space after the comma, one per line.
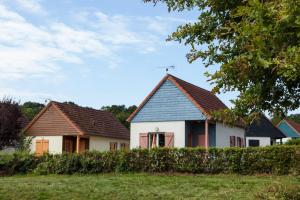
(50,122)
(168,103)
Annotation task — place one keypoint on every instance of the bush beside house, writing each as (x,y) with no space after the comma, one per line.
(270,160)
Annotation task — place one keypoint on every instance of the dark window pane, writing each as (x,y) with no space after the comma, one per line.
(161,140)
(254,143)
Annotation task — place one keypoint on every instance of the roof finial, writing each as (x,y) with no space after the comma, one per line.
(167,68)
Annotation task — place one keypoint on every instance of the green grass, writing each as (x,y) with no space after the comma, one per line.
(137,186)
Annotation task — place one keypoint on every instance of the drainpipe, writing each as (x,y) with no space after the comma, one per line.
(206,134)
(77,143)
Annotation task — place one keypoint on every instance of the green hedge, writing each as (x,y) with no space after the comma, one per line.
(293,142)
(270,160)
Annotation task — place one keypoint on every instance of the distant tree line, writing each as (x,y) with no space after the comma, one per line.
(121,112)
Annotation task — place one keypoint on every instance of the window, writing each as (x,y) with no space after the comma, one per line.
(253,143)
(232,141)
(156,140)
(124,146)
(113,146)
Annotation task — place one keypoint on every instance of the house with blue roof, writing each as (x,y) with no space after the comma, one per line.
(290,128)
(178,114)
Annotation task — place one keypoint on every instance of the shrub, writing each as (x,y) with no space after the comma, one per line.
(271,160)
(18,162)
(293,142)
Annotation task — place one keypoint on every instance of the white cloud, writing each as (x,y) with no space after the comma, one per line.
(28,50)
(32,6)
(27,95)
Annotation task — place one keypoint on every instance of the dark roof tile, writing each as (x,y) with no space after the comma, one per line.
(94,122)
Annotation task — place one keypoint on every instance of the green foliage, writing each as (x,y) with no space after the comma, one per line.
(255,43)
(121,112)
(293,142)
(295,117)
(20,162)
(11,122)
(276,118)
(267,160)
(24,144)
(31,109)
(280,191)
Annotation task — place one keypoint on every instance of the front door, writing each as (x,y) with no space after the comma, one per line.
(69,144)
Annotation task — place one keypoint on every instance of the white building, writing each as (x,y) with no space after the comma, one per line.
(262,133)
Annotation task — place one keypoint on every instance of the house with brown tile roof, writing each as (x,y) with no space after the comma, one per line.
(177,114)
(62,127)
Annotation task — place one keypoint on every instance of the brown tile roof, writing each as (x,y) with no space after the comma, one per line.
(203,99)
(294,124)
(206,99)
(94,122)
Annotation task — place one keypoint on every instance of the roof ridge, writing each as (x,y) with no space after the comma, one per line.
(191,84)
(75,105)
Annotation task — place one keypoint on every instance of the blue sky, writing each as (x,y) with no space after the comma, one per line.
(92,52)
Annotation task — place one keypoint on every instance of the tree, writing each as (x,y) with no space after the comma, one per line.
(295,117)
(121,112)
(11,122)
(31,109)
(70,103)
(255,43)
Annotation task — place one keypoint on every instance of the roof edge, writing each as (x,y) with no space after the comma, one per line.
(37,117)
(130,118)
(287,122)
(69,120)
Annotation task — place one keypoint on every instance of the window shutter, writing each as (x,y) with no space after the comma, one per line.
(144,140)
(238,141)
(42,146)
(45,146)
(169,139)
(243,142)
(232,141)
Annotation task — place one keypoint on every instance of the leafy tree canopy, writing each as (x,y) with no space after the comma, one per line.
(11,122)
(31,109)
(70,103)
(121,112)
(276,119)
(255,43)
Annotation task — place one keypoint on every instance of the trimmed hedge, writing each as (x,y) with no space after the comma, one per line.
(271,160)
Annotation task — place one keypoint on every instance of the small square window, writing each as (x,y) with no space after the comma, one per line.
(253,143)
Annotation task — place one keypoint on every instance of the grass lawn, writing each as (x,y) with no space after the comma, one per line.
(137,186)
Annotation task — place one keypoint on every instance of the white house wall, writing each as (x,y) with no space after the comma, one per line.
(98,143)
(55,143)
(177,127)
(224,132)
(263,141)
